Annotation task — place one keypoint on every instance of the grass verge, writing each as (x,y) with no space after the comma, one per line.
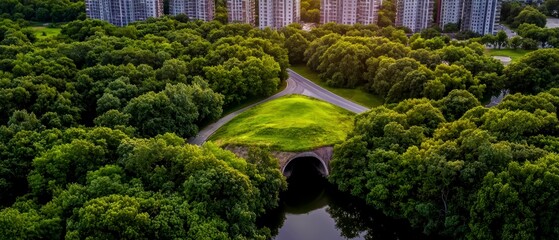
(358,95)
(514,54)
(44,32)
(291,123)
(45,29)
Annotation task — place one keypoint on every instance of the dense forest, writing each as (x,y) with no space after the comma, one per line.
(433,154)
(43,10)
(388,63)
(514,11)
(94,122)
(455,168)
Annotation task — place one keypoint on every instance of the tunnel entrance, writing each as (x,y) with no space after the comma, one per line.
(306,184)
(305,166)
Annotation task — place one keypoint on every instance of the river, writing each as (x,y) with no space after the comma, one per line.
(312,209)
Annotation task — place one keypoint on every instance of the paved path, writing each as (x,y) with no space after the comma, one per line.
(504,59)
(552,22)
(296,84)
(495,100)
(510,33)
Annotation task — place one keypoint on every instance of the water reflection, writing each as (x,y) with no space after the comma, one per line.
(313,209)
(354,219)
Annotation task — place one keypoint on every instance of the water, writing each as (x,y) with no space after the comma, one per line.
(313,209)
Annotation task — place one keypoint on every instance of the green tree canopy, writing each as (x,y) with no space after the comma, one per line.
(530,15)
(535,72)
(455,168)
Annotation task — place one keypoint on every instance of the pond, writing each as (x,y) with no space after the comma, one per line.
(312,208)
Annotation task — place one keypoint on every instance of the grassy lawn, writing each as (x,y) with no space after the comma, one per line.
(39,30)
(290,123)
(358,95)
(40,27)
(513,54)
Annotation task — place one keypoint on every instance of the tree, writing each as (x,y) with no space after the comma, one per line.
(176,109)
(428,58)
(530,15)
(489,39)
(451,28)
(342,64)
(317,48)
(529,44)
(510,10)
(456,103)
(526,188)
(535,72)
(434,43)
(515,42)
(384,73)
(429,33)
(535,33)
(310,11)
(107,102)
(111,217)
(297,45)
(28,225)
(459,178)
(112,118)
(387,14)
(173,70)
(64,164)
(74,111)
(80,30)
(552,7)
(501,39)
(238,81)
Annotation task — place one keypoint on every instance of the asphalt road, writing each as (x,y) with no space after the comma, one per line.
(296,84)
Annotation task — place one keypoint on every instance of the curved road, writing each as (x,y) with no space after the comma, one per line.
(296,84)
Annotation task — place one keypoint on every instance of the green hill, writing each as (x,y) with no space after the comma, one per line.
(291,123)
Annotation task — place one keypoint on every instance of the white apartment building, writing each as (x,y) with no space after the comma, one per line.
(194,9)
(415,14)
(241,11)
(123,12)
(328,11)
(368,11)
(349,11)
(278,13)
(481,16)
(450,11)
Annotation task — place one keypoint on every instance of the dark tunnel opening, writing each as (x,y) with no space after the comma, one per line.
(306,181)
(305,166)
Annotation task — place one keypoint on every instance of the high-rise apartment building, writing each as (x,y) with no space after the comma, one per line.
(278,13)
(450,11)
(349,11)
(241,11)
(194,9)
(415,14)
(481,16)
(328,11)
(123,12)
(368,11)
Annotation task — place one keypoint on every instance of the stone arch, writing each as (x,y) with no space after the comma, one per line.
(324,169)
